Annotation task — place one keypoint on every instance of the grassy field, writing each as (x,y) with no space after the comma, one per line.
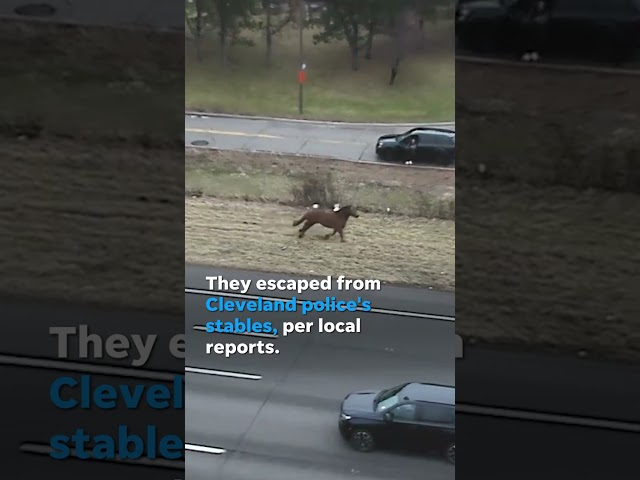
(424,89)
(240,209)
(89,134)
(269,178)
(546,236)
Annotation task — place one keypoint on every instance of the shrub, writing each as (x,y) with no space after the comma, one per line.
(318,188)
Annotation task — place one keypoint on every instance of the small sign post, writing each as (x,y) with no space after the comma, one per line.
(302,77)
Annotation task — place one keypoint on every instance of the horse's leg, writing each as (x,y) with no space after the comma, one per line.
(307,225)
(329,235)
(341,232)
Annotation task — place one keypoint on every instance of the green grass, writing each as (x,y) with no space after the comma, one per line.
(424,89)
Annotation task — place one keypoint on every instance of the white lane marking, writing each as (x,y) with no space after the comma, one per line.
(235,134)
(317,122)
(516,414)
(44,449)
(203,328)
(549,66)
(319,157)
(107,370)
(196,291)
(204,449)
(222,373)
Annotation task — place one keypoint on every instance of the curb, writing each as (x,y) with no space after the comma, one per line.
(316,122)
(317,157)
(549,66)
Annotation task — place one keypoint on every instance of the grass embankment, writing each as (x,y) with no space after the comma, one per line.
(424,89)
(89,133)
(240,208)
(546,236)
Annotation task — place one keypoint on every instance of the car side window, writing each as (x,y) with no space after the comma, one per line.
(436,413)
(407,141)
(440,140)
(404,412)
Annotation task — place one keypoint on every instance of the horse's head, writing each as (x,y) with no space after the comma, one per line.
(349,211)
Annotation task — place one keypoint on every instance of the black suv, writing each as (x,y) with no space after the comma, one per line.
(411,415)
(435,146)
(603,27)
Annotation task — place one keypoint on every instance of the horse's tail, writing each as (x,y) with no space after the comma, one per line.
(298,222)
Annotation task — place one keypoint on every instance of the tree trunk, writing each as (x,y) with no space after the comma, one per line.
(355,49)
(269,37)
(198,39)
(223,45)
(369,48)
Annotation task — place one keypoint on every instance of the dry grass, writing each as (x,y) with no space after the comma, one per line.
(97,225)
(260,236)
(271,178)
(548,257)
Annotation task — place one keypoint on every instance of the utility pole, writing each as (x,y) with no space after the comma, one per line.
(301,65)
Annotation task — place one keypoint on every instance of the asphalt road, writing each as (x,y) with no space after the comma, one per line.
(280,420)
(282,424)
(579,416)
(156,14)
(346,141)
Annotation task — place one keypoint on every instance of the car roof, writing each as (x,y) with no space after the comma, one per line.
(432,130)
(428,392)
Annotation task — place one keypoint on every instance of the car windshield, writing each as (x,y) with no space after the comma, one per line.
(387,397)
(386,403)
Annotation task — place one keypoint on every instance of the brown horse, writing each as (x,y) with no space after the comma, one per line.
(335,220)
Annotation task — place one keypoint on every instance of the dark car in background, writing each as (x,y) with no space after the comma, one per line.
(606,28)
(412,416)
(433,146)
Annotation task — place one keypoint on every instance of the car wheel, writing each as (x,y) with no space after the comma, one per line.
(362,440)
(450,453)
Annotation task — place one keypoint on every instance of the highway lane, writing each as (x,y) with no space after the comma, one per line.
(487,377)
(499,377)
(284,423)
(501,390)
(344,141)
